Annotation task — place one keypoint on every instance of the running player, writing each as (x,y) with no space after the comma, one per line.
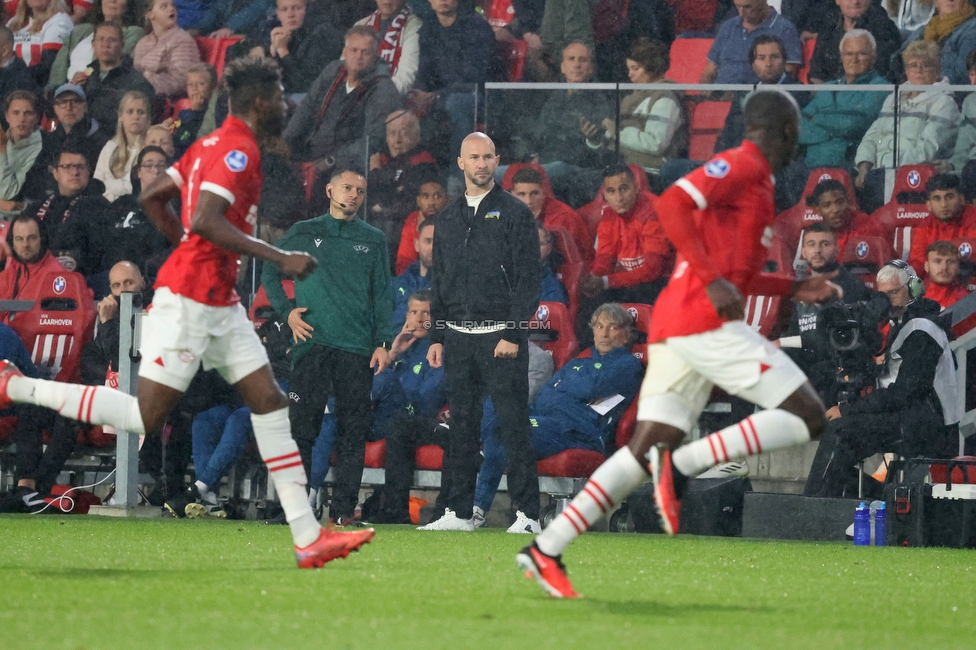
(196,316)
(719,218)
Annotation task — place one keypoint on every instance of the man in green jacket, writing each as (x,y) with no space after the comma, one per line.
(341,321)
(833,123)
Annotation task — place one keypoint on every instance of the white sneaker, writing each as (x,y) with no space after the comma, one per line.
(524,525)
(478,518)
(734,469)
(450,521)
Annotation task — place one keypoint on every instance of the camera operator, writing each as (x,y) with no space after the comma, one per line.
(805,341)
(914,409)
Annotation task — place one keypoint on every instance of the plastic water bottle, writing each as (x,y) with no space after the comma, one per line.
(880,525)
(862,525)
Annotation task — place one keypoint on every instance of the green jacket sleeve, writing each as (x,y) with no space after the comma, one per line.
(382,298)
(271,281)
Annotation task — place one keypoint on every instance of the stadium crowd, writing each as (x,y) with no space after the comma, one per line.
(99,99)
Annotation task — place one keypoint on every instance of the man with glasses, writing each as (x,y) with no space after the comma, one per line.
(110,75)
(75,127)
(73,214)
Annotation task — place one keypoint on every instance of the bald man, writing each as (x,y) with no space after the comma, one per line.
(102,354)
(485,289)
(123,277)
(392,188)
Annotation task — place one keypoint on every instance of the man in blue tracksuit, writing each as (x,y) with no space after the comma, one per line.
(564,414)
(417,275)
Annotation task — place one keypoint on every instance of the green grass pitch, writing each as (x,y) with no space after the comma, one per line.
(89,582)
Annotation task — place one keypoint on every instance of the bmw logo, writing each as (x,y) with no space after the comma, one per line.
(914,178)
(633,313)
(60,284)
(965,250)
(543,312)
(825,177)
(862,249)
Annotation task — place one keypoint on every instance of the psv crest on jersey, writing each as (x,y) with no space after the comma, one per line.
(236,161)
(718,168)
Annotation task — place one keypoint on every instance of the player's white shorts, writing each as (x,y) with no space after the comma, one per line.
(682,370)
(179,334)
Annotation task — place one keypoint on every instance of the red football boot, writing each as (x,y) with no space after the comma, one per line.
(548,571)
(668,505)
(7,370)
(330,545)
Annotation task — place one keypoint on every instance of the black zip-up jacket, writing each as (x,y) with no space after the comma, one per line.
(487,265)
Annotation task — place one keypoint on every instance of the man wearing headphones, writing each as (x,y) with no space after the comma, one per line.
(915,408)
(341,322)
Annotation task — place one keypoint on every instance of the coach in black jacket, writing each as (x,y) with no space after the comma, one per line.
(485,288)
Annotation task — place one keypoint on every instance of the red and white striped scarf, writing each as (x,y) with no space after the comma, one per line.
(391,43)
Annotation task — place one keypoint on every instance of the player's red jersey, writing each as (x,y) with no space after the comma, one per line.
(227,163)
(734,195)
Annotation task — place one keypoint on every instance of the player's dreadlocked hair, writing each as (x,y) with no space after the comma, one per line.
(248,78)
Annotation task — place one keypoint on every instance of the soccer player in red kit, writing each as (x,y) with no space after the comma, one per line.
(196,316)
(719,219)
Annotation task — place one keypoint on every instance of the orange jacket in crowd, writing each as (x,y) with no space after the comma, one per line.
(631,248)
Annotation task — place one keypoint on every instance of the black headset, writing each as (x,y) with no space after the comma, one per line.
(916,287)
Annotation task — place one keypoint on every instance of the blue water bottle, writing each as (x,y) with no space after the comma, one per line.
(862,525)
(880,525)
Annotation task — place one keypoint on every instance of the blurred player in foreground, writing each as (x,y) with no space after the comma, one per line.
(719,218)
(196,316)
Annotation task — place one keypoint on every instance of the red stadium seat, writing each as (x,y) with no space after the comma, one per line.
(566,245)
(900,220)
(214,50)
(552,329)
(689,56)
(515,167)
(705,125)
(641,314)
(375,454)
(762,313)
(866,255)
(938,472)
(570,275)
(309,172)
(912,178)
(808,48)
(572,463)
(514,57)
(693,15)
(59,324)
(429,457)
(261,309)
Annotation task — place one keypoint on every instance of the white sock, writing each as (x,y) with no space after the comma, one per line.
(620,475)
(205,493)
(313,495)
(91,404)
(764,431)
(280,453)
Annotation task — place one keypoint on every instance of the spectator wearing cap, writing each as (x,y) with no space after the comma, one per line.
(14,74)
(75,127)
(728,59)
(942,269)
(529,187)
(21,173)
(110,75)
(390,195)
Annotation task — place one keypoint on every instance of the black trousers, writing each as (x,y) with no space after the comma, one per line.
(405,433)
(323,372)
(35,462)
(852,438)
(473,373)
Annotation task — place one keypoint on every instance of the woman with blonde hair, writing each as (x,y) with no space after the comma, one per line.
(40,27)
(119,154)
(166,53)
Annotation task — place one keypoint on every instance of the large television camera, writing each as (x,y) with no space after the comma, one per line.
(854,339)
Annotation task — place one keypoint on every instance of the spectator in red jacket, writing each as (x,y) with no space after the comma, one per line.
(951,217)
(431,198)
(829,199)
(633,255)
(529,187)
(942,269)
(30,259)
